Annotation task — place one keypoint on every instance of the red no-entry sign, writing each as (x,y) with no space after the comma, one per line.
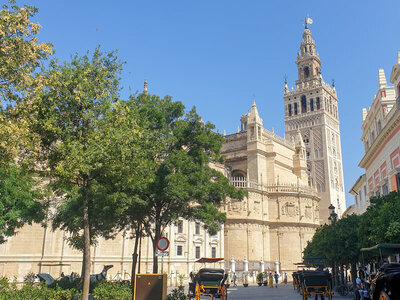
(162,243)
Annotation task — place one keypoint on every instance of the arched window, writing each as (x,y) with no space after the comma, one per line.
(318,102)
(303,104)
(290,109)
(312,104)
(306,72)
(238,174)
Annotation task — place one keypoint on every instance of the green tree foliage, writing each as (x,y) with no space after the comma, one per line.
(341,241)
(182,182)
(74,123)
(385,224)
(20,52)
(20,56)
(19,201)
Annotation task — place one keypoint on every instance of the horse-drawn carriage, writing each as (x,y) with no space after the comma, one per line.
(208,281)
(315,283)
(386,283)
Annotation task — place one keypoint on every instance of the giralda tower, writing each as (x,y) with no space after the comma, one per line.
(312,109)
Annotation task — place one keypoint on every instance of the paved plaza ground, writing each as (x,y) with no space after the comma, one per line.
(283,292)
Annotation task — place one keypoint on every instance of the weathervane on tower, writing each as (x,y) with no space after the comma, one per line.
(307,21)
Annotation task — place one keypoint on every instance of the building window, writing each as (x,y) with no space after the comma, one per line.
(306,71)
(318,103)
(180,226)
(360,196)
(312,104)
(197,229)
(295,108)
(179,250)
(290,109)
(365,193)
(213,252)
(385,189)
(197,252)
(355,197)
(303,104)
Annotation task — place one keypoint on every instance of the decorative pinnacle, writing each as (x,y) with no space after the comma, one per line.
(145,87)
(398,57)
(285,79)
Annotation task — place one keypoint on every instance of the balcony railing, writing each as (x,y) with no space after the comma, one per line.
(241,182)
(238,182)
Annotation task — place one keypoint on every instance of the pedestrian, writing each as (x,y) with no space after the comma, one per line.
(285,278)
(276,275)
(234,279)
(270,280)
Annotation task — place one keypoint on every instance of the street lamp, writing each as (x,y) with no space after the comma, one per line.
(332,214)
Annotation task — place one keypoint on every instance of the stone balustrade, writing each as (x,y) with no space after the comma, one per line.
(241,182)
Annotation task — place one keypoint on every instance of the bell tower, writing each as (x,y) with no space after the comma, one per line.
(312,109)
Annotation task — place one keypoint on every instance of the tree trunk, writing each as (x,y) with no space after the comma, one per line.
(135,256)
(86,250)
(157,234)
(353,272)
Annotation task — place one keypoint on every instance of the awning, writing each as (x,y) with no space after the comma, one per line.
(208,260)
(383,248)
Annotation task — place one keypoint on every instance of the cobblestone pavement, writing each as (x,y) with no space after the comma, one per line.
(283,292)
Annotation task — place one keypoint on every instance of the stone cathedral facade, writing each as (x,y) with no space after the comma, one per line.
(290,182)
(312,108)
(269,229)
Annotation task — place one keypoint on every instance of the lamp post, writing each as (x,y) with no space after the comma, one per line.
(332,214)
(332,219)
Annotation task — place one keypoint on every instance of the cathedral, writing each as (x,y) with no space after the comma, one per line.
(290,181)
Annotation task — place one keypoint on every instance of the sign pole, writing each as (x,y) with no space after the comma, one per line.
(162,264)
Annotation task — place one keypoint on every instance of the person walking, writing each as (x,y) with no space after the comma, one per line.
(270,280)
(276,275)
(285,278)
(234,279)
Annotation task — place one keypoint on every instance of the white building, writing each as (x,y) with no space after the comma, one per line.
(381,138)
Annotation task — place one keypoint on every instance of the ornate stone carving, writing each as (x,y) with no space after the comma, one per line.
(290,209)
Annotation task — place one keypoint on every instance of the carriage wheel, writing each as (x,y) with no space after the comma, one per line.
(383,296)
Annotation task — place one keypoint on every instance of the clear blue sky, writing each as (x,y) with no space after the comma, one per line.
(217,54)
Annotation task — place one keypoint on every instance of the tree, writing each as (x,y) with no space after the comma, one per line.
(182,182)
(20,52)
(338,242)
(20,56)
(19,200)
(73,114)
(385,224)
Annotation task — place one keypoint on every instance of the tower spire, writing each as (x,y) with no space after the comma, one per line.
(145,87)
(382,78)
(308,62)
(286,88)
